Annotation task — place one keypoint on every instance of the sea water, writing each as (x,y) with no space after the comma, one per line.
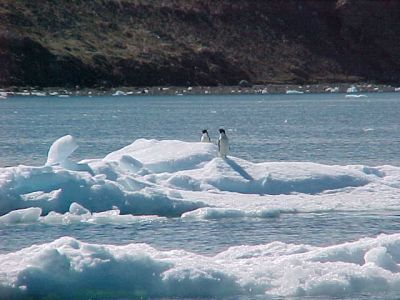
(327,129)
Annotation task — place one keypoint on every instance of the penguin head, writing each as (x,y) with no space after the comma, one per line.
(221,131)
(204,131)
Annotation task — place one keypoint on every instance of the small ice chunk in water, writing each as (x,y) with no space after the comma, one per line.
(352,89)
(119,93)
(61,149)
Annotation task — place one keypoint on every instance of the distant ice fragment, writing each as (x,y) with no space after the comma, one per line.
(294,92)
(352,89)
(332,89)
(119,93)
(3,95)
(367,129)
(356,96)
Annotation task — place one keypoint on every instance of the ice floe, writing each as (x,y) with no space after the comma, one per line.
(173,178)
(75,269)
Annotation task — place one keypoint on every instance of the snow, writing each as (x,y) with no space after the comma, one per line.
(27,215)
(173,178)
(61,149)
(369,265)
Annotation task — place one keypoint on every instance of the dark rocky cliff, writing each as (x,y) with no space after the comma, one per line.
(198,42)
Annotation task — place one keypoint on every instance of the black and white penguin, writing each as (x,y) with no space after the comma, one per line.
(205,138)
(223,143)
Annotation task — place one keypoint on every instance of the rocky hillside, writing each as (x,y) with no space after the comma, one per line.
(197,42)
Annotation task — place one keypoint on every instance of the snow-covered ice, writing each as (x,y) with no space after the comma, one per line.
(369,265)
(176,178)
(61,149)
(150,180)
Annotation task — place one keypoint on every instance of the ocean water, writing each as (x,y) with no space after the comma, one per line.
(312,188)
(324,128)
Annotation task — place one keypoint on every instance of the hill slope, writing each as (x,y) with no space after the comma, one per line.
(197,42)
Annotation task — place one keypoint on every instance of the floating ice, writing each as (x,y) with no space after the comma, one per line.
(332,89)
(210,213)
(119,93)
(150,180)
(294,92)
(368,129)
(79,214)
(356,96)
(369,265)
(27,215)
(175,178)
(352,89)
(38,94)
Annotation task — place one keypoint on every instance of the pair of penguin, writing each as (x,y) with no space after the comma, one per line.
(223,141)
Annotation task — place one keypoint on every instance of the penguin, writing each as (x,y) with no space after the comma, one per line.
(223,143)
(205,138)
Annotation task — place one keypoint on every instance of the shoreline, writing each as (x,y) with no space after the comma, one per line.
(200,90)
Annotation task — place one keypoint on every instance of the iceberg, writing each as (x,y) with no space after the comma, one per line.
(171,178)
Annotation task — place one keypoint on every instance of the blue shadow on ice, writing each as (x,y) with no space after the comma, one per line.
(239,169)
